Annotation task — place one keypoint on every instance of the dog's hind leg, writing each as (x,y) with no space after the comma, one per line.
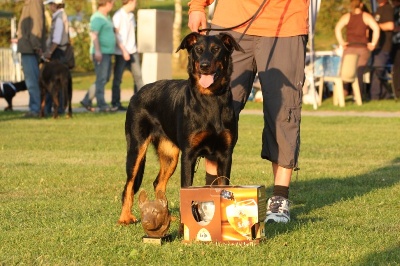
(168,155)
(135,161)
(43,91)
(68,95)
(55,94)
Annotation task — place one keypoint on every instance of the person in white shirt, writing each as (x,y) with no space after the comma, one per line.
(56,43)
(124,24)
(58,38)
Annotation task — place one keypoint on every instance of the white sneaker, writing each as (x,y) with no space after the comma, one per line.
(277,210)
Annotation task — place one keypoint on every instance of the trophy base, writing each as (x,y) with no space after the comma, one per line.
(156,240)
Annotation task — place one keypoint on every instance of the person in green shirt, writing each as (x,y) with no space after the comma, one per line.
(101,49)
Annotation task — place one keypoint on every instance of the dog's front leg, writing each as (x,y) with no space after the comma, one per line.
(224,169)
(187,170)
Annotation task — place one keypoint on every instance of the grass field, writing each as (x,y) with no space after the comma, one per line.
(61,182)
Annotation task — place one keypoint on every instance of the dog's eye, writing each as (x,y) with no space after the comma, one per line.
(215,50)
(199,50)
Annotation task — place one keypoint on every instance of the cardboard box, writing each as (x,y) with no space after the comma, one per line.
(232,214)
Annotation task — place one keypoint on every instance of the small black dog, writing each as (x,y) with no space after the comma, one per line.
(8,91)
(194,117)
(55,78)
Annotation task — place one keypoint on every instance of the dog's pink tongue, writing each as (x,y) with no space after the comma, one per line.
(206,80)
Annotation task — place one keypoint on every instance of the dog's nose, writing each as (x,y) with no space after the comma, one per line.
(205,65)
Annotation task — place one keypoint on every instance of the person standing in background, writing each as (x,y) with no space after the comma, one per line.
(58,38)
(357,24)
(56,43)
(102,48)
(31,44)
(275,46)
(396,48)
(126,55)
(385,18)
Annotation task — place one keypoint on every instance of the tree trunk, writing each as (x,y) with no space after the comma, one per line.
(94,6)
(176,33)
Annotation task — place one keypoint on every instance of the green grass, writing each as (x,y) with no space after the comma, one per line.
(61,181)
(327,105)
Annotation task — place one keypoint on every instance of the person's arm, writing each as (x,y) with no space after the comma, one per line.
(373,25)
(56,38)
(121,46)
(98,56)
(120,41)
(37,31)
(343,21)
(387,26)
(197,15)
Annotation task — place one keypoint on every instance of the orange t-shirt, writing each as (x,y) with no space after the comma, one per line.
(278,18)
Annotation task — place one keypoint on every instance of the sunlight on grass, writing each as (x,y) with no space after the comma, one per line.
(61,183)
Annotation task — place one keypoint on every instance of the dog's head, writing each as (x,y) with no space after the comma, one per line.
(155,215)
(210,62)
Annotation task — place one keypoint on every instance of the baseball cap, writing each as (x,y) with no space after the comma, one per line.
(53,1)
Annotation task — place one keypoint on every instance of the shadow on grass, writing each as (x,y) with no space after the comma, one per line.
(387,257)
(317,194)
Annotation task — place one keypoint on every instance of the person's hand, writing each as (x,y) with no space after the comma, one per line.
(344,45)
(371,46)
(47,55)
(197,20)
(38,51)
(126,55)
(98,56)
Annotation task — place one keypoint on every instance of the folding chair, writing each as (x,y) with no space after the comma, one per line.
(348,74)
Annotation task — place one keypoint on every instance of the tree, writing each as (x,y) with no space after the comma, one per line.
(176,33)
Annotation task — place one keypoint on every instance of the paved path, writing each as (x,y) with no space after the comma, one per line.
(20,103)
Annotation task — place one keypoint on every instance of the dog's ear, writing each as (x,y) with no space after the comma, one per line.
(230,43)
(162,198)
(142,198)
(188,42)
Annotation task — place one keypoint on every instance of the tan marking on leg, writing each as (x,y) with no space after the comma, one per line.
(227,136)
(126,213)
(168,154)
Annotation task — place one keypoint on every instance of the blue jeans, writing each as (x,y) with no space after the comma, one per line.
(30,67)
(133,65)
(103,72)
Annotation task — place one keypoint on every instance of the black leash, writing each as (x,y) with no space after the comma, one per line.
(249,21)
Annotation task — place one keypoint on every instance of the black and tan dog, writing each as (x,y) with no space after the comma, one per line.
(55,79)
(8,91)
(194,117)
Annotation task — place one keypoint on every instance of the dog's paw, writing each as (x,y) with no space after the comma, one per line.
(127,220)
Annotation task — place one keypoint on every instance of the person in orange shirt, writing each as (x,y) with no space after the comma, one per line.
(274,35)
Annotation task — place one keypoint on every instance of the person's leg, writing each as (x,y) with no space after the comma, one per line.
(30,68)
(103,71)
(396,70)
(136,70)
(379,63)
(280,62)
(119,66)
(242,78)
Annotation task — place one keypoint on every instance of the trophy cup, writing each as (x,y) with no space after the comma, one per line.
(155,218)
